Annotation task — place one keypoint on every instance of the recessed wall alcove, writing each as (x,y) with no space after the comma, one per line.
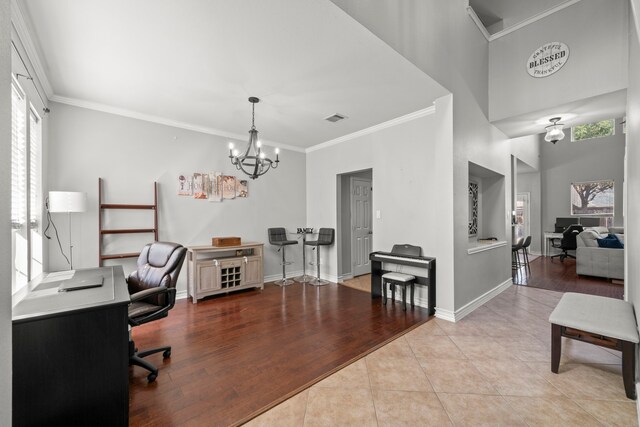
(486,208)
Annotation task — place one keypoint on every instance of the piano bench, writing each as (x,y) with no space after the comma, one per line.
(398,279)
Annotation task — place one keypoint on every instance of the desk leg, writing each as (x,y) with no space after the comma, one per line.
(546,246)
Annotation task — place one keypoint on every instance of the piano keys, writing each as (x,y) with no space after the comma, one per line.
(423,268)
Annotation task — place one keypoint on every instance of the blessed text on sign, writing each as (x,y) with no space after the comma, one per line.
(547,59)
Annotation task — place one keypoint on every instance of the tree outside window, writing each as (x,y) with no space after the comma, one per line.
(593,130)
(592,198)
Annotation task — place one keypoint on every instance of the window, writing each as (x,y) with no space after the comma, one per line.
(26,184)
(593,130)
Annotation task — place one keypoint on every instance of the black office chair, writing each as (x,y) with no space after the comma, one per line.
(395,278)
(152,288)
(278,237)
(568,242)
(326,237)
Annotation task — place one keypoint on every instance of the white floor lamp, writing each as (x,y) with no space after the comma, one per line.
(68,201)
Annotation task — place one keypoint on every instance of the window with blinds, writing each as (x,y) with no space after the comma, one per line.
(26,185)
(18,158)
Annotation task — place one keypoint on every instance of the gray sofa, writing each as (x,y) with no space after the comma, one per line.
(592,260)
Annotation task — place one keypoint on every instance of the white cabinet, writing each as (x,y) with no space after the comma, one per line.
(213,270)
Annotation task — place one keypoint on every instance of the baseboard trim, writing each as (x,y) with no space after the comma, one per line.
(638,402)
(344,277)
(447,315)
(182,294)
(455,316)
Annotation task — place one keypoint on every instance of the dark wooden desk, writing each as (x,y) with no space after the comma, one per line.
(426,263)
(70,352)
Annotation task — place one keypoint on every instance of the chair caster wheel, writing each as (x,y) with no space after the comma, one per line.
(152,377)
(166,354)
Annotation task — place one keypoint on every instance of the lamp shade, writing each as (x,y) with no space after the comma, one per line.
(554,131)
(67,201)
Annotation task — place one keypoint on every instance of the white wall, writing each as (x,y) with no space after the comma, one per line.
(632,226)
(527,149)
(407,188)
(5,214)
(131,154)
(596,33)
(590,160)
(441,39)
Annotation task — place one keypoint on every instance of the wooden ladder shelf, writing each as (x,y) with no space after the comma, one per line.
(101,231)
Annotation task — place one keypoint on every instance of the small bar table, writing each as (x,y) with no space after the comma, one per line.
(302,232)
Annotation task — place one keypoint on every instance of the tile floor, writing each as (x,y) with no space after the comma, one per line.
(492,368)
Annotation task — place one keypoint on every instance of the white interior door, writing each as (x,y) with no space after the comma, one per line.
(361,231)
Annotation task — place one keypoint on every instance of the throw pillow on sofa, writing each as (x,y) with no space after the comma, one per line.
(611,242)
(590,238)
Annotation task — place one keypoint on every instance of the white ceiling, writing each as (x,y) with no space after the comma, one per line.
(197,62)
(589,110)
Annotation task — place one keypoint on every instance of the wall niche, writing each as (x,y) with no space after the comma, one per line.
(486,204)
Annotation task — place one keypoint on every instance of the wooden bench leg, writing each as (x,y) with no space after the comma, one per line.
(556,347)
(384,292)
(404,297)
(629,368)
(412,286)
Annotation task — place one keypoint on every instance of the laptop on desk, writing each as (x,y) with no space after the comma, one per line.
(84,283)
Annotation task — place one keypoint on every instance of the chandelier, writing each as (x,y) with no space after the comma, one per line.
(554,131)
(253,160)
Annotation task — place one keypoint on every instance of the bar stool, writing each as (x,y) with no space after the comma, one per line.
(525,252)
(278,237)
(325,238)
(515,258)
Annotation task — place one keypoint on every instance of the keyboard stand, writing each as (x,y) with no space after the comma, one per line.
(429,281)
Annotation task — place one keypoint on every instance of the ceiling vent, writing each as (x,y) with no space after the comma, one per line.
(335,117)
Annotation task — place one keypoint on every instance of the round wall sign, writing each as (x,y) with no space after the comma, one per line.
(547,59)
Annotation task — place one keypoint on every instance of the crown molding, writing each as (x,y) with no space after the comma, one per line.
(393,122)
(20,25)
(163,121)
(519,25)
(533,19)
(474,16)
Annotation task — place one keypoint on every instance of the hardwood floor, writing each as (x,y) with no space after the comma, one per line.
(362,283)
(235,356)
(552,274)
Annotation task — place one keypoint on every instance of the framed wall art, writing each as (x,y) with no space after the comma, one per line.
(185,185)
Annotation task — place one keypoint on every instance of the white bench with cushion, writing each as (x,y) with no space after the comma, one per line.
(400,279)
(602,321)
